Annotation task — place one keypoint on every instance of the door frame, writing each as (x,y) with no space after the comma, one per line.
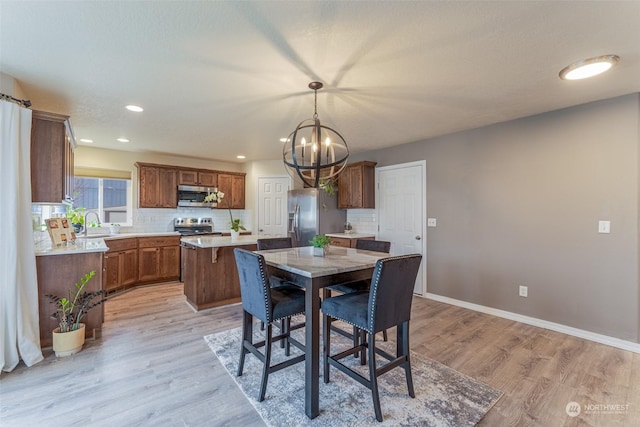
(257,198)
(423,171)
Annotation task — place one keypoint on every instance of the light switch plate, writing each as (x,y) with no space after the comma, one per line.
(431,222)
(604,226)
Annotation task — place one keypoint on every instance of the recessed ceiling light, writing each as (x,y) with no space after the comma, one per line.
(589,67)
(88,141)
(134,108)
(284,139)
(122,140)
(241,157)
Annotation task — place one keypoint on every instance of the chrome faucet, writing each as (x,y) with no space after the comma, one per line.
(86,224)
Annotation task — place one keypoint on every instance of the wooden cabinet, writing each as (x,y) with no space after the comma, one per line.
(356,186)
(195,177)
(52,147)
(158,258)
(346,242)
(56,274)
(120,264)
(232,185)
(157,187)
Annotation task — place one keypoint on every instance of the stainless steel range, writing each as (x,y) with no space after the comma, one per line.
(194,226)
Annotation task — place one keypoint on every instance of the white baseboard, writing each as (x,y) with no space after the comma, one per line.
(580,333)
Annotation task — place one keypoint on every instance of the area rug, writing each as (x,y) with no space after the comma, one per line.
(444,396)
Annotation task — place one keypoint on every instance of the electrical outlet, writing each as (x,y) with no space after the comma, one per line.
(524,291)
(431,222)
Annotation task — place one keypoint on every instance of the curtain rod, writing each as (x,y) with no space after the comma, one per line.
(24,102)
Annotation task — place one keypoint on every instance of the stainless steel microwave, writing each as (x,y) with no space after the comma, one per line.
(191,195)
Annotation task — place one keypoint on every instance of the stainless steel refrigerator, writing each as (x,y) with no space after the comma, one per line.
(311,212)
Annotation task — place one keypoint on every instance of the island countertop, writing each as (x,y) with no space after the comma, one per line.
(218,241)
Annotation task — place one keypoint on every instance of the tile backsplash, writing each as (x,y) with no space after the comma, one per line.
(363,220)
(146,220)
(160,220)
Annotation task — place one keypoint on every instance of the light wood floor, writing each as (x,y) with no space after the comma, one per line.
(152,367)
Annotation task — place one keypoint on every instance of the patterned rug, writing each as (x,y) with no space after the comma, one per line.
(444,396)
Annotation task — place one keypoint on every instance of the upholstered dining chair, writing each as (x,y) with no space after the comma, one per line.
(360,285)
(387,304)
(269,305)
(275,243)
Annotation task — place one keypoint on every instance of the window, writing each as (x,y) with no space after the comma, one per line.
(110,198)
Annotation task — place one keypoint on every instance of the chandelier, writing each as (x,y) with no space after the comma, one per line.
(314,152)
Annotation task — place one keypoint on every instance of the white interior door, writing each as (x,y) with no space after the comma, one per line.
(401,196)
(272,206)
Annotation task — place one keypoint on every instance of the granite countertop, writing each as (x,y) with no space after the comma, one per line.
(80,246)
(126,235)
(351,235)
(218,241)
(92,243)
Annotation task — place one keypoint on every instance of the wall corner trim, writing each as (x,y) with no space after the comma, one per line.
(557,327)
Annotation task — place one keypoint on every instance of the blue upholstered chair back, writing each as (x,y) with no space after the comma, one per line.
(373,245)
(392,291)
(254,284)
(274,243)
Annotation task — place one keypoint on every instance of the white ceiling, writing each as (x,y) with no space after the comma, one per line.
(218,79)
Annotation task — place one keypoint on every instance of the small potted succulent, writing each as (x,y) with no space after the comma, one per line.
(320,243)
(68,337)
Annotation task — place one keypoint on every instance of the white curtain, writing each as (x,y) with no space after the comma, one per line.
(19,330)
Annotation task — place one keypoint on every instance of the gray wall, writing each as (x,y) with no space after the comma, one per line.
(518,203)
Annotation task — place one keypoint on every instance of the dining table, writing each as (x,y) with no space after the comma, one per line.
(300,266)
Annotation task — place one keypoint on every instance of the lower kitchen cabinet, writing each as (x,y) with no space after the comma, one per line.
(347,242)
(158,258)
(120,264)
(141,260)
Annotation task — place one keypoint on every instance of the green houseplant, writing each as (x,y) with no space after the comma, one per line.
(320,243)
(68,337)
(216,197)
(76,216)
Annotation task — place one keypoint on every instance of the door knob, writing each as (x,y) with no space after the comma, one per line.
(418,238)
(260,230)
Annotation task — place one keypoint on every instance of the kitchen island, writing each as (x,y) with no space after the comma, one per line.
(209,269)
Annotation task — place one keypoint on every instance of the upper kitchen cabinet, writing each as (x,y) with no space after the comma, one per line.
(195,177)
(158,186)
(232,185)
(52,146)
(356,186)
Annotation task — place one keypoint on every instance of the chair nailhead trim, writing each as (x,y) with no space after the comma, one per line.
(266,287)
(374,286)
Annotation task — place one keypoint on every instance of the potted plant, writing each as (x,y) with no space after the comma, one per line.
(68,337)
(235,227)
(76,216)
(216,197)
(320,243)
(114,228)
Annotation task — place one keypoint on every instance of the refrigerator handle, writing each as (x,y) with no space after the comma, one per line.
(293,225)
(296,222)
